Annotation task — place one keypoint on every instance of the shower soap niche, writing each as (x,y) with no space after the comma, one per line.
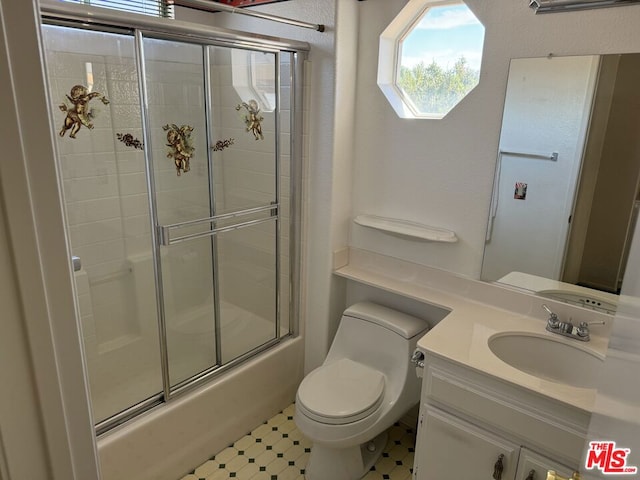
(405,228)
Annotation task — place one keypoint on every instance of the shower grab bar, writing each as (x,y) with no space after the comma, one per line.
(553,156)
(172,241)
(164,231)
(224,216)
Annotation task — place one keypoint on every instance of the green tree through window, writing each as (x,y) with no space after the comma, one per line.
(433,89)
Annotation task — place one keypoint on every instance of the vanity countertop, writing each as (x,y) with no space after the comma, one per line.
(463,337)
(477,311)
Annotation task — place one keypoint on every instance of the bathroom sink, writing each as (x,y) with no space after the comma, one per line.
(551,359)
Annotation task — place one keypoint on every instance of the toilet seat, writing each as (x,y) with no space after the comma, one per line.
(341,392)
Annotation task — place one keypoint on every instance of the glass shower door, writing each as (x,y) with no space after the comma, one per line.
(173,154)
(177,126)
(244,115)
(214,170)
(93,83)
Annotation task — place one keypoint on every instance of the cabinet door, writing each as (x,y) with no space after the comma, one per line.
(533,466)
(449,448)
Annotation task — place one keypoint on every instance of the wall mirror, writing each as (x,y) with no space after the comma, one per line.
(566,197)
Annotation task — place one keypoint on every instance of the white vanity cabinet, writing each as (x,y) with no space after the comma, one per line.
(450,448)
(469,422)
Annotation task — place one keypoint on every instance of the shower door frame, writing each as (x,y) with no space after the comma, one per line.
(140,27)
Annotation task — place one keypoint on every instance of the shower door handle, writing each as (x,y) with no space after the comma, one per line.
(77,263)
(163,232)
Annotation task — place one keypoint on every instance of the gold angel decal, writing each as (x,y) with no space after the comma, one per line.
(252,119)
(180,148)
(79,113)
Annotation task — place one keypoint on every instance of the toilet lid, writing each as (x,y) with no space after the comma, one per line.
(341,392)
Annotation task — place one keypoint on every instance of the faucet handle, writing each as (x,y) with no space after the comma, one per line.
(553,321)
(586,324)
(583,328)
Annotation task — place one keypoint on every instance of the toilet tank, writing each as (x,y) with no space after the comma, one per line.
(379,337)
(397,322)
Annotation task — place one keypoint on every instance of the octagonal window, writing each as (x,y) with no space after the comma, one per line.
(430,58)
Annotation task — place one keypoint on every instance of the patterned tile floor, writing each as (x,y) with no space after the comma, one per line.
(276,450)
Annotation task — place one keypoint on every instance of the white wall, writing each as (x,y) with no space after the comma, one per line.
(440,172)
(23,452)
(23,448)
(45,419)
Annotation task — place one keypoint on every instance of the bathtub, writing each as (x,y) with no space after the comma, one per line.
(170,440)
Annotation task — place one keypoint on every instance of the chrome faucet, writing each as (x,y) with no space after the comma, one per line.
(568,329)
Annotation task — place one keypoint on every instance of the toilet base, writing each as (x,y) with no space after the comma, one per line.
(350,463)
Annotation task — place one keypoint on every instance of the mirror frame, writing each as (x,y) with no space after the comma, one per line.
(555,6)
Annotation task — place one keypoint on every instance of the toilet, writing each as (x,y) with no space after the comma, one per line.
(366,384)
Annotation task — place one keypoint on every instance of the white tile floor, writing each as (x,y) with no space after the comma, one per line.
(276,450)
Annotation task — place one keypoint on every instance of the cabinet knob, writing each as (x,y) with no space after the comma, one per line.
(552,475)
(498,467)
(532,475)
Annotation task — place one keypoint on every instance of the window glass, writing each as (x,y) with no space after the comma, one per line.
(439,52)
(159,8)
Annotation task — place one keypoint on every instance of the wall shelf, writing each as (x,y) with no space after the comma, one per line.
(416,231)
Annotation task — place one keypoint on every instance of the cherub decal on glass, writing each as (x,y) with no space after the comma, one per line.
(180,148)
(79,113)
(252,119)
